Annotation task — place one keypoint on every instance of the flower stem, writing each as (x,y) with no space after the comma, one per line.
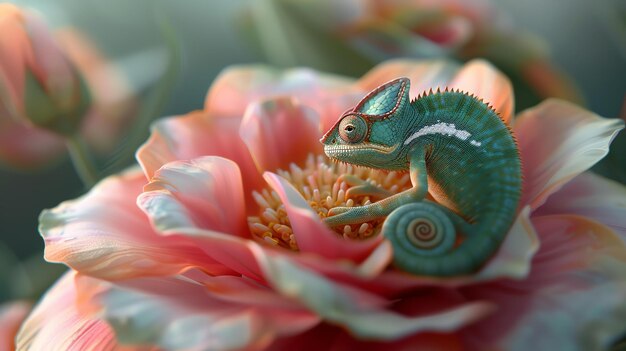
(82,160)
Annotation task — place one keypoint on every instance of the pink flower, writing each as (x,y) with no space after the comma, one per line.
(12,315)
(53,84)
(210,247)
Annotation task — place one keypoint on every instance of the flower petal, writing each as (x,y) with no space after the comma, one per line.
(231,251)
(238,86)
(205,192)
(359,311)
(280,131)
(24,146)
(194,135)
(564,325)
(328,337)
(480,78)
(557,141)
(592,196)
(57,323)
(179,314)
(579,263)
(311,234)
(12,314)
(584,263)
(574,243)
(105,235)
(514,257)
(15,52)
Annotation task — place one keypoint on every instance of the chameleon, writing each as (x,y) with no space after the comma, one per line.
(457,149)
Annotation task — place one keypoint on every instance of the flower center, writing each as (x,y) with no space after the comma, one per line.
(320,184)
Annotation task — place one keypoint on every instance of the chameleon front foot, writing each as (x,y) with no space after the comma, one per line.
(350,215)
(360,187)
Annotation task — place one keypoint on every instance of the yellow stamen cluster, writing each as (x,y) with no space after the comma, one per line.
(320,184)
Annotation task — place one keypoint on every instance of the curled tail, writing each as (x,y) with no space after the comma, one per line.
(424,239)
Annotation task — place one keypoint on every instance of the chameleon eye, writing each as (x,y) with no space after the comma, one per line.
(352,129)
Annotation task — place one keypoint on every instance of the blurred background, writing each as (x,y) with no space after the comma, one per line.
(169,52)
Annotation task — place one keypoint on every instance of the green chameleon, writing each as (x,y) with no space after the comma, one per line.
(454,145)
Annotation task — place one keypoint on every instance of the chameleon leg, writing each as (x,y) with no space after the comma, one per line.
(383,207)
(360,187)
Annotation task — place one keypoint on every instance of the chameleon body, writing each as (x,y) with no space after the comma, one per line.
(457,148)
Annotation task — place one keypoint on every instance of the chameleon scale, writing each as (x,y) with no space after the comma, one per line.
(454,146)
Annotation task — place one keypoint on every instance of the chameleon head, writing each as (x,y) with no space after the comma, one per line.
(365,135)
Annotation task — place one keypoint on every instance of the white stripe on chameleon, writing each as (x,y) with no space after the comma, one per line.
(448,129)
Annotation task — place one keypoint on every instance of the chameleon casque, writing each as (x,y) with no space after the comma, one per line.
(457,148)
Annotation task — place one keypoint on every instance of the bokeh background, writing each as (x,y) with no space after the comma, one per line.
(586,40)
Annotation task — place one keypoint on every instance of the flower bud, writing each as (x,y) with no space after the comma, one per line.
(38,84)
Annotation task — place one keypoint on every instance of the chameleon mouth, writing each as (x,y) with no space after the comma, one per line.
(336,151)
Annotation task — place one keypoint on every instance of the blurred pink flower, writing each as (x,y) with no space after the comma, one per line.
(12,315)
(316,33)
(56,102)
(191,253)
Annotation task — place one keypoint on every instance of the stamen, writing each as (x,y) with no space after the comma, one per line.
(318,182)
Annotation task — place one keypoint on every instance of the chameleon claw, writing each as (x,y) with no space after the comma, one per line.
(337,210)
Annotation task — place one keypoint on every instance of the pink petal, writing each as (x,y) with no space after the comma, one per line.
(480,78)
(358,310)
(232,252)
(15,53)
(240,290)
(205,192)
(592,196)
(57,323)
(202,201)
(280,131)
(198,134)
(582,319)
(50,64)
(178,314)
(579,263)
(238,86)
(311,234)
(27,147)
(104,234)
(329,337)
(573,243)
(557,141)
(12,314)
(514,257)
